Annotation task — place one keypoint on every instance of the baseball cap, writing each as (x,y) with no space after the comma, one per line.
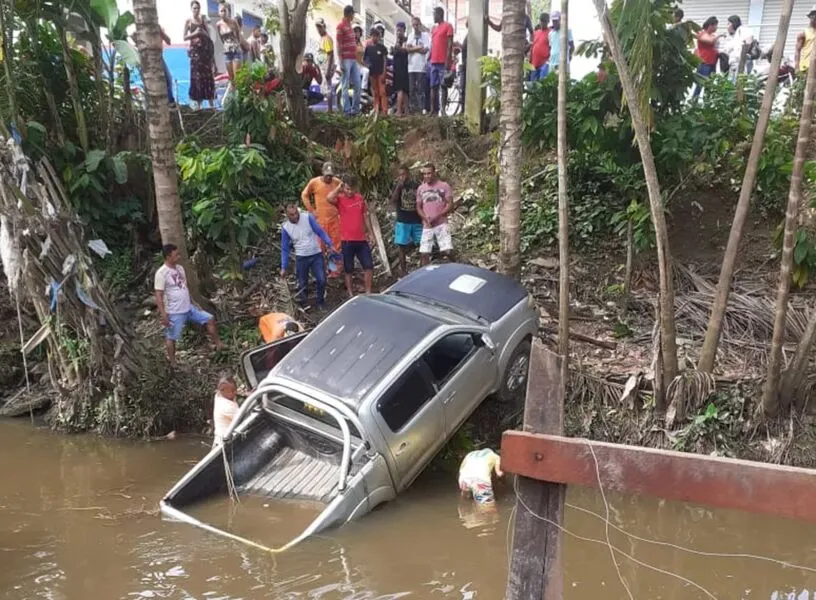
(308,56)
(400,24)
(556,16)
(320,22)
(328,169)
(812,11)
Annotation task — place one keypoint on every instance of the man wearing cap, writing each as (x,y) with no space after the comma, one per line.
(309,72)
(349,67)
(325,58)
(315,200)
(804,44)
(555,42)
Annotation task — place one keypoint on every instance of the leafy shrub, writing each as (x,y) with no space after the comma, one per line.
(223,191)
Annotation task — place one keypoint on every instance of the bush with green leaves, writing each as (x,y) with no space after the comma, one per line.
(224,192)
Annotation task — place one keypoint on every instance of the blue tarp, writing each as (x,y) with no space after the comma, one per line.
(179,64)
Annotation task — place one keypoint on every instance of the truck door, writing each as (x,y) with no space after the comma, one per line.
(259,361)
(410,417)
(464,371)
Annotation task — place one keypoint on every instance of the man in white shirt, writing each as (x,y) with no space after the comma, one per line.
(174,304)
(225,407)
(417,45)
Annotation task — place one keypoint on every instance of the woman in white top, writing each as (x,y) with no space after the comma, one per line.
(737,41)
(224,407)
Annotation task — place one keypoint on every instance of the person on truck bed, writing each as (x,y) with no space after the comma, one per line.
(225,407)
(476,475)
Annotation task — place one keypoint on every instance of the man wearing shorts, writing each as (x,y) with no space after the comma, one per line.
(476,475)
(434,203)
(354,231)
(408,230)
(173,302)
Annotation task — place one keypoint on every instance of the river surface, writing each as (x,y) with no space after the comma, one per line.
(78,520)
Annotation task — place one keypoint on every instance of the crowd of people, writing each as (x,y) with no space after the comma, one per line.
(737,50)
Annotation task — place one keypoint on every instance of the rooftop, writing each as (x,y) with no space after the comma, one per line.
(355,347)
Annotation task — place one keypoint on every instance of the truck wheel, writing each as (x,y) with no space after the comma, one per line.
(514,381)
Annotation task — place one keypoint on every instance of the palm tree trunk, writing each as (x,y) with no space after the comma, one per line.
(73,87)
(512,82)
(791,389)
(770,403)
(708,354)
(668,343)
(292,44)
(11,87)
(563,198)
(168,204)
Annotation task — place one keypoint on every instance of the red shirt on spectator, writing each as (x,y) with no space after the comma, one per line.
(346,42)
(439,42)
(310,72)
(540,53)
(352,210)
(707,52)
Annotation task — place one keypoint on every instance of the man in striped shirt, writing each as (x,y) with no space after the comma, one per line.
(347,59)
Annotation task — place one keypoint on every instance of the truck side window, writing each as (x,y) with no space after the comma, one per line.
(405,398)
(448,354)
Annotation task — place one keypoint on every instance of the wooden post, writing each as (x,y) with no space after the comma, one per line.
(477,47)
(534,562)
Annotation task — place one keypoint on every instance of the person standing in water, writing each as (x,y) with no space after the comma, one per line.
(476,475)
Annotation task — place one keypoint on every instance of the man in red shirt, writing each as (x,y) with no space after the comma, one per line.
(347,59)
(354,231)
(540,50)
(441,56)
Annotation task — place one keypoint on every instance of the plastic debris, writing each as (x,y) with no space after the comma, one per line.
(99,247)
(85,298)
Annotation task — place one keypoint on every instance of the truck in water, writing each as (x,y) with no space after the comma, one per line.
(349,414)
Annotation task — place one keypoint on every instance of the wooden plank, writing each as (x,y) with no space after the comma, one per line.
(720,482)
(374,223)
(534,561)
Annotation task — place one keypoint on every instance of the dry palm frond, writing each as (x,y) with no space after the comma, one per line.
(686,394)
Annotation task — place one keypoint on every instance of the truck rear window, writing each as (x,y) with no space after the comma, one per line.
(315,413)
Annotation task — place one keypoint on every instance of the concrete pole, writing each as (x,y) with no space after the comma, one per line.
(477,47)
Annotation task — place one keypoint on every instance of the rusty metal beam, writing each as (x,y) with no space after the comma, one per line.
(720,482)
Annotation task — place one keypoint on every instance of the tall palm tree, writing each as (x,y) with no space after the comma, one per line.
(708,354)
(292,43)
(668,343)
(510,123)
(168,204)
(770,402)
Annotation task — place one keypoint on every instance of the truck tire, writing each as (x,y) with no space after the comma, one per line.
(514,381)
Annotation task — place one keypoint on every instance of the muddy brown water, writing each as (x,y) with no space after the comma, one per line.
(78,520)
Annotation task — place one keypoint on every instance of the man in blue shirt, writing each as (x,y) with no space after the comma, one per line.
(555,42)
(301,231)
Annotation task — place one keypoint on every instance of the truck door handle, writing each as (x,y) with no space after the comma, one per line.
(401,448)
(449,398)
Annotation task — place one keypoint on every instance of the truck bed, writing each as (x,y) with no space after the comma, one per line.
(295,475)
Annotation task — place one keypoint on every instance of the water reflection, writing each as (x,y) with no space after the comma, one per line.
(77,520)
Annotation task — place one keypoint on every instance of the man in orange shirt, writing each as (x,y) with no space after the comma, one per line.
(276,326)
(325,212)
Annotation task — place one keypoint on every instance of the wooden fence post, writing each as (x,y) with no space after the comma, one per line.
(535,572)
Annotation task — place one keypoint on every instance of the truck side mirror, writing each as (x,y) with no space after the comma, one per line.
(488,342)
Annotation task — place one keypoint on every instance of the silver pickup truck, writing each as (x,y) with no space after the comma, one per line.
(350,413)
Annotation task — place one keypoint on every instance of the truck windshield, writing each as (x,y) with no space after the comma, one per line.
(314,413)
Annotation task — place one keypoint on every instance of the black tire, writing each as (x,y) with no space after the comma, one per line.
(514,380)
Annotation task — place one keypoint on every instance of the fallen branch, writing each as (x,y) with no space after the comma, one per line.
(553,329)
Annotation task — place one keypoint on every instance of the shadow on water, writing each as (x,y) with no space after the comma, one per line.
(78,520)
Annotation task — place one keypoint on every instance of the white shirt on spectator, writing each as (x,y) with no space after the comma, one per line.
(417,60)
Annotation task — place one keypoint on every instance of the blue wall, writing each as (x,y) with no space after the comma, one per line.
(179,64)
